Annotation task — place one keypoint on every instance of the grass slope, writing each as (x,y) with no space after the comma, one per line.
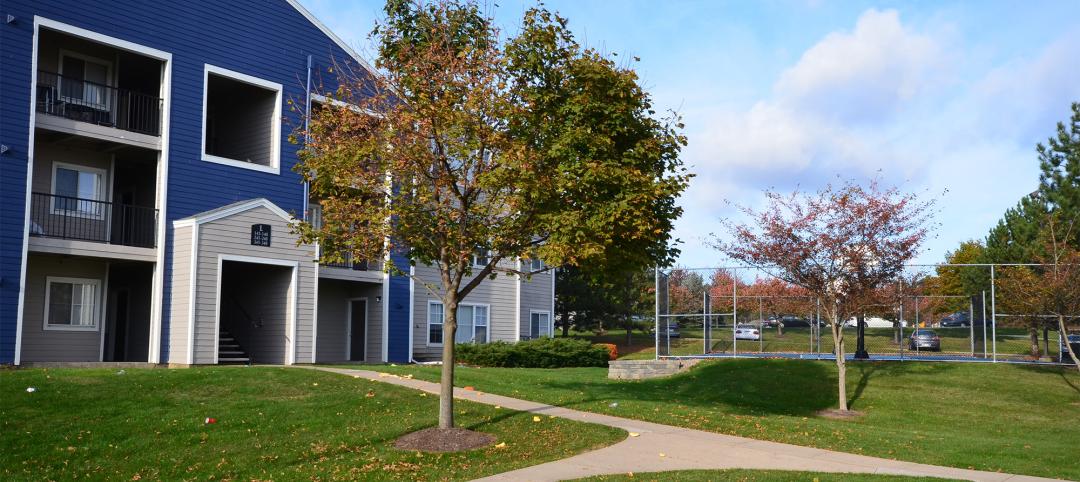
(1008,418)
(273,423)
(741,475)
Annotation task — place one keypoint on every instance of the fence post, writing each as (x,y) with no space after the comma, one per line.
(734,313)
(971,326)
(656,311)
(993,314)
(917,324)
(900,322)
(761,326)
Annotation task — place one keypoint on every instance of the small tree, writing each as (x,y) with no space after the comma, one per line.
(469,153)
(1052,288)
(840,244)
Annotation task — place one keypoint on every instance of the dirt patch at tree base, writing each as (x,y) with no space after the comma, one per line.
(840,414)
(444,440)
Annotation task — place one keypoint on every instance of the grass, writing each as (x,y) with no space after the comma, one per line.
(272,423)
(742,475)
(1010,418)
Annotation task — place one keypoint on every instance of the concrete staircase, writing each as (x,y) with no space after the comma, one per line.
(641,369)
(229,351)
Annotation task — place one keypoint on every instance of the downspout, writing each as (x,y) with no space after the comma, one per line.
(307,117)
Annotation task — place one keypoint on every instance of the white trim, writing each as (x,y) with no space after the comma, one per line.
(100,38)
(275,127)
(294,301)
(386,315)
(239,208)
(103,186)
(329,33)
(348,328)
(315,312)
(29,188)
(96,283)
(551,317)
(412,304)
(192,293)
(158,283)
(427,318)
(517,302)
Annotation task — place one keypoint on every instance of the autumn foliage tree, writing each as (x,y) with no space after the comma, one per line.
(839,244)
(468,144)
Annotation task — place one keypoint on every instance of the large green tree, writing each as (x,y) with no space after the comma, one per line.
(469,152)
(1059,163)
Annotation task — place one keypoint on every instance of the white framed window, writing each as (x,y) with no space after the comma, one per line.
(472,323)
(85,80)
(71,303)
(78,191)
(241,120)
(481,258)
(539,324)
(533,265)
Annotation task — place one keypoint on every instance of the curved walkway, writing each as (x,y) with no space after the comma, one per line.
(662,447)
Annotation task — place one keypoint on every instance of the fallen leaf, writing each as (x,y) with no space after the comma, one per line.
(634,434)
(500,445)
(662,454)
(536,419)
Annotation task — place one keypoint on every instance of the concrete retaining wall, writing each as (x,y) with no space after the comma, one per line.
(641,369)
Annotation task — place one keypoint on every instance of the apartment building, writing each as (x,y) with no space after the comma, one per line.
(147,191)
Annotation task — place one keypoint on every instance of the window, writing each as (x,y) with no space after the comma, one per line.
(532,265)
(84,80)
(472,323)
(78,190)
(241,120)
(540,324)
(71,304)
(481,258)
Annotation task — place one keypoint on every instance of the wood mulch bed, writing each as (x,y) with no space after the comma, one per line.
(444,440)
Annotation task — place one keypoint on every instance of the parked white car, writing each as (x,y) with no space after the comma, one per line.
(747,332)
(873,322)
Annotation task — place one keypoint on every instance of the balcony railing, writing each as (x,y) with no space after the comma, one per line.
(67,217)
(348,263)
(99,104)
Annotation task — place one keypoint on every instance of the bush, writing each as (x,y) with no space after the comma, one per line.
(538,353)
(613,351)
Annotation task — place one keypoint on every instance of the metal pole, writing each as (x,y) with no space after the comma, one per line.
(656,310)
(993,314)
(917,324)
(971,326)
(817,308)
(901,323)
(761,326)
(734,313)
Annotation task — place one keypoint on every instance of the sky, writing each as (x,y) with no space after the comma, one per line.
(941,98)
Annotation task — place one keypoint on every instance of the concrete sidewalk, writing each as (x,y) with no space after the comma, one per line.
(662,447)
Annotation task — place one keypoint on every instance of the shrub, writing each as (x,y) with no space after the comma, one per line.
(538,353)
(613,351)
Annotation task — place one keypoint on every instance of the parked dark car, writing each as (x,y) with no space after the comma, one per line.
(671,331)
(1063,354)
(771,322)
(957,319)
(923,339)
(792,321)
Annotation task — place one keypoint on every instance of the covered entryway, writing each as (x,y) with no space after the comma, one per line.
(127,312)
(255,311)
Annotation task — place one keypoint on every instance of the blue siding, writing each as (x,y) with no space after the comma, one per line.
(398,321)
(267,39)
(16,42)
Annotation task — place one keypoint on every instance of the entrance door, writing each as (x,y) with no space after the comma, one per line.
(357,329)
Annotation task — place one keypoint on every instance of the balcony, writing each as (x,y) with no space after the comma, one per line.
(77,219)
(98,104)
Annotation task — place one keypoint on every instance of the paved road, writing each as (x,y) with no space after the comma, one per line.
(662,447)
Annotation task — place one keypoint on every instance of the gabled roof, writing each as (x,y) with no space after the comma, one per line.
(330,33)
(231,209)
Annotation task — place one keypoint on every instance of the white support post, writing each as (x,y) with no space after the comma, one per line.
(993,314)
(656,309)
(734,313)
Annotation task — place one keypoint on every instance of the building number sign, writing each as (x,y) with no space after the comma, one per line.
(260,235)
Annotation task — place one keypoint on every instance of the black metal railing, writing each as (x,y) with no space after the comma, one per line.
(99,104)
(67,217)
(348,263)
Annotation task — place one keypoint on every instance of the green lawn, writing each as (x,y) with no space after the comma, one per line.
(741,475)
(1011,418)
(272,423)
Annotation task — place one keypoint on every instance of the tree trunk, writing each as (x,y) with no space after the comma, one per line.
(1033,333)
(1068,346)
(896,332)
(629,331)
(446,381)
(841,363)
(566,324)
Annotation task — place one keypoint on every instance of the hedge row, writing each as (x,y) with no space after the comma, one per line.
(538,353)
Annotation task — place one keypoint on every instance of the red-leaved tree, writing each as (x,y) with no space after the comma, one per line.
(840,244)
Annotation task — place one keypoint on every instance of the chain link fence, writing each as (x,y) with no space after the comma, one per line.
(726,312)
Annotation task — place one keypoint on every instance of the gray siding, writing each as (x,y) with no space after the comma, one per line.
(332,338)
(500,294)
(232,235)
(179,315)
(39,344)
(536,295)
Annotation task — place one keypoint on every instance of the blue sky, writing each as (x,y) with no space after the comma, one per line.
(946,98)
